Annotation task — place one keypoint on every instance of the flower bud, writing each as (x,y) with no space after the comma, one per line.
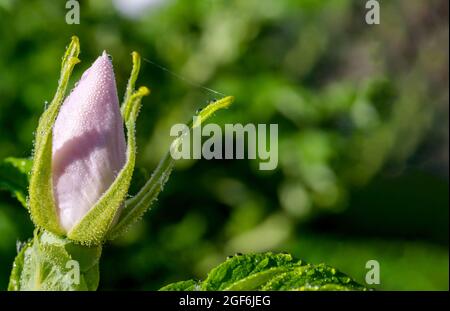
(89,148)
(82,167)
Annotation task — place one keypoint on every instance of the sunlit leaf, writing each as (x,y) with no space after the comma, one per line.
(269,271)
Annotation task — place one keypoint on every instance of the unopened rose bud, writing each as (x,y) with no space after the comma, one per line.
(89,146)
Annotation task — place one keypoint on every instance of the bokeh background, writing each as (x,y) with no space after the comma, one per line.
(363,130)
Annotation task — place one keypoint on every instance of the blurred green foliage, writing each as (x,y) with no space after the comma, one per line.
(363,128)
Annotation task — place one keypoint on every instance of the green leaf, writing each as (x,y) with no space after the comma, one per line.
(41,203)
(16,272)
(269,271)
(139,204)
(189,285)
(240,267)
(14,173)
(49,262)
(312,277)
(94,226)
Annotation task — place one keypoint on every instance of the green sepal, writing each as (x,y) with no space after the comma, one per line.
(136,207)
(126,105)
(41,201)
(49,262)
(94,226)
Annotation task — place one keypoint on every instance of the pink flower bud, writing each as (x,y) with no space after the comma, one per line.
(89,146)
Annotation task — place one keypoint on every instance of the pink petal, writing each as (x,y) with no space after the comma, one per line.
(89,146)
